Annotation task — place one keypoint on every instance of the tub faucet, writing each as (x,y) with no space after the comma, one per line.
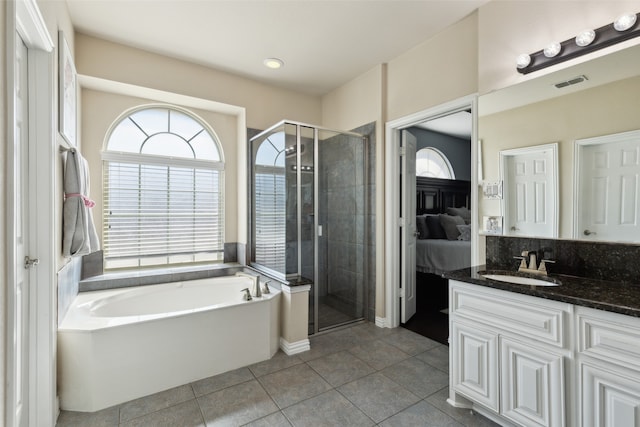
(257,292)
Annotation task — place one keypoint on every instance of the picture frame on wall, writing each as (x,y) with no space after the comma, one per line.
(67,92)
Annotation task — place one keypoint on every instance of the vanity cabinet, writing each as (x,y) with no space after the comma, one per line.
(608,368)
(508,353)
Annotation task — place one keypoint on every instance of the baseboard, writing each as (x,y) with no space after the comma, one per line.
(295,347)
(381,322)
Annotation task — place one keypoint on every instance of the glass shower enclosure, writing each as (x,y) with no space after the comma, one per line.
(308,219)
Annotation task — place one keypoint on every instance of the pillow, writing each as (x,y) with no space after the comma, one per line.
(465,232)
(450,225)
(421,226)
(463,211)
(435,229)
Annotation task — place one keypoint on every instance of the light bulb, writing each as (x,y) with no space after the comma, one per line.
(624,22)
(585,38)
(522,61)
(273,63)
(552,50)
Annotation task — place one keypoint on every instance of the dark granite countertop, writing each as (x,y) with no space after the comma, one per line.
(617,297)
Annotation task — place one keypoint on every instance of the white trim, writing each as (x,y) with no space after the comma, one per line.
(150,159)
(295,347)
(556,190)
(24,19)
(381,322)
(392,208)
(295,289)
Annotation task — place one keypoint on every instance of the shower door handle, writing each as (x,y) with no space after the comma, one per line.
(319,231)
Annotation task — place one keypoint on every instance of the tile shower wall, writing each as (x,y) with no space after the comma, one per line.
(347,207)
(595,260)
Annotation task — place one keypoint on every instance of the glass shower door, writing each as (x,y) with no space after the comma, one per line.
(342,232)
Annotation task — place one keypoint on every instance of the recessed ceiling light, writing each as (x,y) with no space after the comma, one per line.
(624,22)
(273,63)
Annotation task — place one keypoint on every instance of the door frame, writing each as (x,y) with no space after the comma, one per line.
(393,222)
(504,154)
(24,19)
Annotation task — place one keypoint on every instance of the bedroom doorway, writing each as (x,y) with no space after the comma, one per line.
(405,213)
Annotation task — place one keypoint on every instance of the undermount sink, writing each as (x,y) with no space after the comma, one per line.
(519,280)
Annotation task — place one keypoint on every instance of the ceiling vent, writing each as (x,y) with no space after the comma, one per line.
(572,81)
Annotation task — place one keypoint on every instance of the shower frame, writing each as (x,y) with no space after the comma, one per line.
(316,225)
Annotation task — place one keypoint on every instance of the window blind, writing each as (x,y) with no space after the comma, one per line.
(157,214)
(270,220)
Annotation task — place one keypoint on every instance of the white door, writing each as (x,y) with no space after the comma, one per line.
(609,169)
(18,351)
(409,231)
(530,191)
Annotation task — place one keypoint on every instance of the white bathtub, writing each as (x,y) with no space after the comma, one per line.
(121,344)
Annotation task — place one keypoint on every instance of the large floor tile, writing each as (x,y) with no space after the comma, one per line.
(279,361)
(462,415)
(340,368)
(378,396)
(437,357)
(155,402)
(277,419)
(236,405)
(410,342)
(421,414)
(378,354)
(186,414)
(218,382)
(417,376)
(323,345)
(328,409)
(294,384)
(106,418)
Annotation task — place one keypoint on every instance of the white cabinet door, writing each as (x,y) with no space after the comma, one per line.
(610,398)
(532,385)
(474,367)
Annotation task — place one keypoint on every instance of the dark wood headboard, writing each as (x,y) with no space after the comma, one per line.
(435,195)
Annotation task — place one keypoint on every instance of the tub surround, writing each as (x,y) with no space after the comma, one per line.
(294,312)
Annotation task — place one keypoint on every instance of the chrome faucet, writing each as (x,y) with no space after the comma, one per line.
(257,292)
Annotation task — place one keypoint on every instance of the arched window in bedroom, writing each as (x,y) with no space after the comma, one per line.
(432,163)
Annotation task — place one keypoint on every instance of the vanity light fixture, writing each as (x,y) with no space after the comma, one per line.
(625,27)
(273,63)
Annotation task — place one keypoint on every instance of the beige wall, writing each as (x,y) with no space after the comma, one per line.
(439,70)
(101,109)
(507,29)
(602,110)
(265,105)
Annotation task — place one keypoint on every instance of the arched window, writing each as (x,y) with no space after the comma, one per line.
(163,192)
(430,162)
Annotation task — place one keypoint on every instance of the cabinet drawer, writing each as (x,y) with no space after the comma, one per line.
(532,317)
(608,336)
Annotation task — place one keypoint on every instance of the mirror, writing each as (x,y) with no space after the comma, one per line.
(605,100)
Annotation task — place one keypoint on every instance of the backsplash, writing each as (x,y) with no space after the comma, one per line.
(595,260)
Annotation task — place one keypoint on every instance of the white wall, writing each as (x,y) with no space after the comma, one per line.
(3,218)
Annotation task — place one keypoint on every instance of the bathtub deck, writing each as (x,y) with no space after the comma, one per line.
(362,375)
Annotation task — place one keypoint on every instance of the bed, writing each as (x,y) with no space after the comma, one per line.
(443,203)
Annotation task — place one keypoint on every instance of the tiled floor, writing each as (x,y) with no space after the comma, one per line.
(359,376)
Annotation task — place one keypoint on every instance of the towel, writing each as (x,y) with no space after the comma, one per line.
(79,235)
